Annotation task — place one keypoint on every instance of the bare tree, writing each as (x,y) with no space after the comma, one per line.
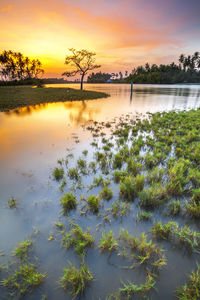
(81,61)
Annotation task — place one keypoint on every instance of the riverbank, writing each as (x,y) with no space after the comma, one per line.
(20,96)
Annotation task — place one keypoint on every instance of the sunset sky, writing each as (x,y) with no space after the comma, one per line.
(123,33)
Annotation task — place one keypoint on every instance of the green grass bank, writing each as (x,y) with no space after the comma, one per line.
(14,97)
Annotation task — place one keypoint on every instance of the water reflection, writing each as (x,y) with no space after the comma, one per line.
(81,112)
(27,110)
(32,139)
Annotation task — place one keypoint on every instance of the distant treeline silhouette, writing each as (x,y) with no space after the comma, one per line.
(186,71)
(17,69)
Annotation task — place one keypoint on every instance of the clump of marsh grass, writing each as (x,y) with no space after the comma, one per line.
(73,174)
(119,208)
(190,290)
(174,207)
(85,152)
(63,184)
(93,203)
(185,236)
(117,161)
(22,249)
(106,193)
(75,280)
(155,175)
(58,173)
(68,202)
(130,289)
(146,251)
(164,230)
(133,167)
(23,280)
(131,186)
(193,209)
(108,242)
(153,196)
(178,177)
(144,216)
(78,239)
(118,175)
(12,202)
(82,165)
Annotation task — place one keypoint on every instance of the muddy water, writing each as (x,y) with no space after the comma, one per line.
(32,139)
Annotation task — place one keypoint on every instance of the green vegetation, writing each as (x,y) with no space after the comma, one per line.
(68,202)
(174,207)
(15,97)
(78,239)
(184,236)
(130,186)
(73,174)
(107,242)
(187,71)
(12,202)
(23,280)
(144,216)
(106,193)
(21,250)
(80,62)
(130,289)
(93,203)
(58,173)
(191,290)
(15,66)
(75,280)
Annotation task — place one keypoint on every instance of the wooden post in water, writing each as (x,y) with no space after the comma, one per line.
(131,91)
(131,87)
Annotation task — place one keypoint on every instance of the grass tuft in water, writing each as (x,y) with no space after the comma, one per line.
(75,280)
(93,203)
(22,249)
(190,290)
(68,202)
(107,242)
(106,193)
(78,239)
(58,173)
(23,280)
(12,202)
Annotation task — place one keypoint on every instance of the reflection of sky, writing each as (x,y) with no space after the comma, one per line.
(124,33)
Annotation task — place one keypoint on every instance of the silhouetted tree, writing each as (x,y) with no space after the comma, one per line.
(81,61)
(99,77)
(16,66)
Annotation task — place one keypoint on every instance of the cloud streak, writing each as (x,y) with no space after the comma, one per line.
(119,31)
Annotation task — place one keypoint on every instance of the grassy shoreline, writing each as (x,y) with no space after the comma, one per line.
(20,96)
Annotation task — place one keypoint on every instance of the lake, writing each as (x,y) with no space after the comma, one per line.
(32,140)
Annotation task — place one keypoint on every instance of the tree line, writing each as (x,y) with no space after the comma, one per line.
(20,69)
(186,71)
(14,66)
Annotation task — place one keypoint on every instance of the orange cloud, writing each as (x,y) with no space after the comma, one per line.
(46,29)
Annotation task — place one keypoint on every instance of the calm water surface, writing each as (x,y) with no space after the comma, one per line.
(32,139)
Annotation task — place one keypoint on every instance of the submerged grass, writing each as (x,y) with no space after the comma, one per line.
(108,242)
(68,202)
(78,239)
(23,280)
(22,249)
(190,290)
(75,280)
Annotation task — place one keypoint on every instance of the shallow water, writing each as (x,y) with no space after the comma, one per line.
(32,139)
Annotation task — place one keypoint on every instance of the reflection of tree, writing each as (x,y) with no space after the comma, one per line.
(27,110)
(80,112)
